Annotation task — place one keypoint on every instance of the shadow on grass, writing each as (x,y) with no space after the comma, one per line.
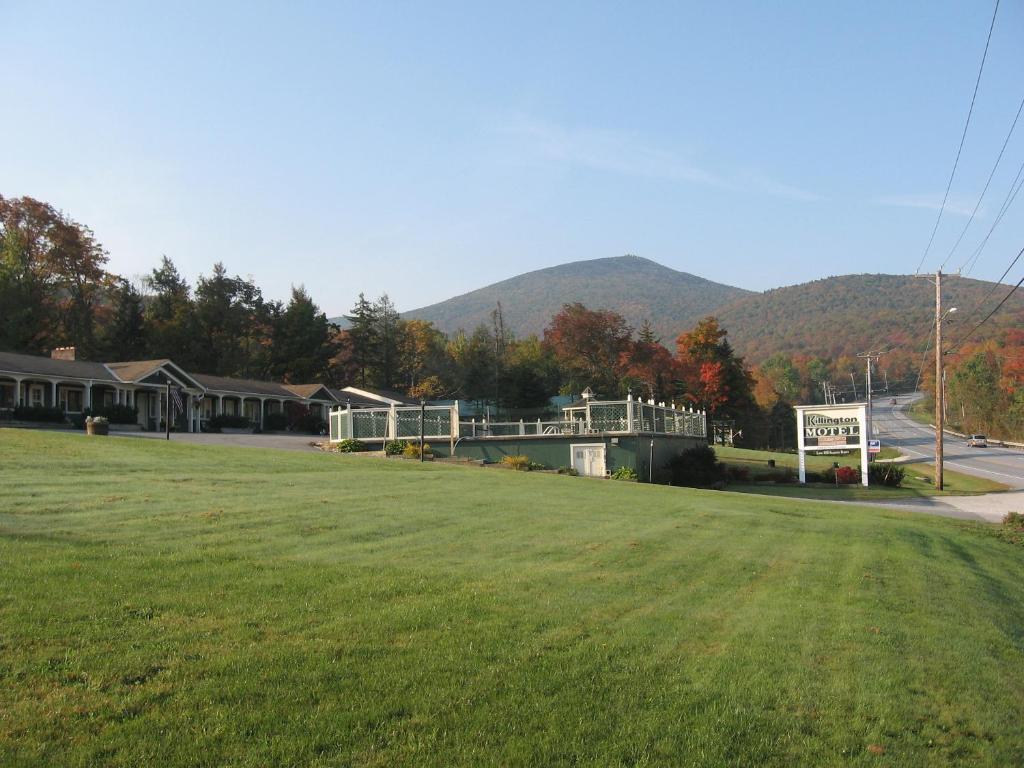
(1011,618)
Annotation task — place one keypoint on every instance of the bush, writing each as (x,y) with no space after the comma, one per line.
(778,475)
(737,474)
(394,447)
(300,418)
(890,475)
(115,414)
(309,423)
(350,446)
(695,467)
(571,471)
(275,422)
(412,450)
(518,463)
(39,413)
(1014,520)
(230,421)
(624,473)
(842,475)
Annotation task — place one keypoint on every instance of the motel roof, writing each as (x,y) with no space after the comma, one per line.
(13,362)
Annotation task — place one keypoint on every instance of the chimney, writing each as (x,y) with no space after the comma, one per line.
(63,353)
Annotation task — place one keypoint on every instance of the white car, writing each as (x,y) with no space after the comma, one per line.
(977,441)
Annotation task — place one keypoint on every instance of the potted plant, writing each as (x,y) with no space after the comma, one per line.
(97,425)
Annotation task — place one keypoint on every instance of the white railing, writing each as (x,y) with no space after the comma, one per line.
(631,415)
(442,421)
(474,428)
(395,423)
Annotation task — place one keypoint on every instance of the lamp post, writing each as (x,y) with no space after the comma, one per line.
(423,412)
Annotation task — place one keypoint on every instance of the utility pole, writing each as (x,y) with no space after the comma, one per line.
(854,382)
(939,425)
(940,376)
(869,356)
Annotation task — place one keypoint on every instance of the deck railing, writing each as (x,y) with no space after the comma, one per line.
(442,422)
(395,423)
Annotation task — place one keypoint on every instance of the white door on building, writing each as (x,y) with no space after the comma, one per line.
(588,460)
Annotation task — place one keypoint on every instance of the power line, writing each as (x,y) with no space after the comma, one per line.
(983,191)
(963,137)
(1011,195)
(924,359)
(995,286)
(989,315)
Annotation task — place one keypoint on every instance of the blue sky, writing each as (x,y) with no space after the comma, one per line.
(424,150)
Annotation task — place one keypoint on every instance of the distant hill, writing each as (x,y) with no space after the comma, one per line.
(636,288)
(828,318)
(854,313)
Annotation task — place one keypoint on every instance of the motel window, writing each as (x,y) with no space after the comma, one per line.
(71,400)
(36,395)
(7,396)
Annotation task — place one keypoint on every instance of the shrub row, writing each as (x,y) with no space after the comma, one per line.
(39,413)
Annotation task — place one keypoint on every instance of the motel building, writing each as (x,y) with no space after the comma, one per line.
(74,386)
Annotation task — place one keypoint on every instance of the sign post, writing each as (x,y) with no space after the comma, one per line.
(832,427)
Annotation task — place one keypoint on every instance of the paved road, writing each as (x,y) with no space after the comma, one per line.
(894,427)
(1004,465)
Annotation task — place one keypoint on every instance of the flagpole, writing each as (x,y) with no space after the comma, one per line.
(167,412)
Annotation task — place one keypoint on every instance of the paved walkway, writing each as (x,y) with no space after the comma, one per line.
(989,507)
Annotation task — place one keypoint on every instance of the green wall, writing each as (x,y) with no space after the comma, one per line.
(554,450)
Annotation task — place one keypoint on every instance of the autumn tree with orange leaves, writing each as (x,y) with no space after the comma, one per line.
(714,378)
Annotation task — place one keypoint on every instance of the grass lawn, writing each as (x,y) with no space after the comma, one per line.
(172,605)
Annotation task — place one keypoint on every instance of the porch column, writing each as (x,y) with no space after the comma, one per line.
(53,390)
(17,391)
(188,411)
(87,397)
(262,409)
(220,405)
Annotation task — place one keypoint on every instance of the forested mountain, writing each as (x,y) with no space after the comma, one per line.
(636,288)
(845,315)
(831,318)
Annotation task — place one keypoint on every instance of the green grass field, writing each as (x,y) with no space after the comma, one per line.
(174,605)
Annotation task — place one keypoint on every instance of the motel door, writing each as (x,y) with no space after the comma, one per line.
(588,460)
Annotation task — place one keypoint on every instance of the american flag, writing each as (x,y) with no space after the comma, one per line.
(179,407)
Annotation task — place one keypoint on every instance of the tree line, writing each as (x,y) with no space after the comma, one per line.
(55,291)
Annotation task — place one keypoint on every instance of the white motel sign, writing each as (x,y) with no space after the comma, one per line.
(832,427)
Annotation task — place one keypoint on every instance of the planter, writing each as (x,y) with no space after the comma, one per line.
(97,429)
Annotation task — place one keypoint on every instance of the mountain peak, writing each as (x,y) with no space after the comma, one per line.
(637,288)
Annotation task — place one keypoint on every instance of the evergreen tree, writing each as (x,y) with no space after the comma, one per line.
(124,334)
(170,316)
(220,324)
(363,335)
(388,342)
(303,342)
